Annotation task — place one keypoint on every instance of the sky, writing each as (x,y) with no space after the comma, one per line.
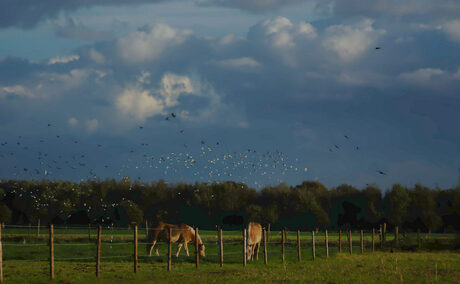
(254,91)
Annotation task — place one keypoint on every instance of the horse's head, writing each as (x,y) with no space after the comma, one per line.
(201,249)
(249,251)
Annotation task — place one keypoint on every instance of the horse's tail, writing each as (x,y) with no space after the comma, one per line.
(152,236)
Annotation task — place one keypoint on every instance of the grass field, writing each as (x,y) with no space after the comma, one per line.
(26,259)
(439,267)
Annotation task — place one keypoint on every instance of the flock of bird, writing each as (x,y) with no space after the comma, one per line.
(203,161)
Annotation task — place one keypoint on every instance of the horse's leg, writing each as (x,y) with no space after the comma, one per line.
(186,248)
(257,251)
(179,246)
(156,249)
(151,248)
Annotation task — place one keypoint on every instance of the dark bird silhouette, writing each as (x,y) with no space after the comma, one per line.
(336,146)
(381,172)
(167,118)
(357,147)
(141,127)
(49,124)
(378,47)
(202,142)
(173,114)
(181,131)
(346,136)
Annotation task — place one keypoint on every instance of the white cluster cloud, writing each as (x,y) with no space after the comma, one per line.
(350,42)
(149,43)
(242,62)
(280,32)
(422,76)
(434,78)
(63,59)
(96,56)
(92,125)
(452,29)
(17,90)
(139,104)
(72,121)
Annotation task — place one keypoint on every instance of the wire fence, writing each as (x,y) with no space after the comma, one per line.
(115,244)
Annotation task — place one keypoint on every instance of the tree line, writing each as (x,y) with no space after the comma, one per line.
(228,204)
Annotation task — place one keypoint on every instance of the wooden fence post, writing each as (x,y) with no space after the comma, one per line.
(221,246)
(38,228)
(146,228)
(1,257)
(51,252)
(298,246)
(197,253)
(268,234)
(381,236)
(327,244)
(373,239)
(419,240)
(244,247)
(362,241)
(282,244)
(98,255)
(396,236)
(265,246)
(350,242)
(135,248)
(170,248)
(89,232)
(313,243)
(384,232)
(340,241)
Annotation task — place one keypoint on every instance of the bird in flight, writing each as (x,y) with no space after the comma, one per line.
(378,47)
(346,136)
(381,172)
(173,114)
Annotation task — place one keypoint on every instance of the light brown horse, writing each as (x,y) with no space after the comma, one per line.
(179,233)
(253,240)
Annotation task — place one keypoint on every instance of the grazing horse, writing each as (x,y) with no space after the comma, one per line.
(254,239)
(179,233)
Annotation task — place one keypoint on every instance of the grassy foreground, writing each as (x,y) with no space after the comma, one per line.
(425,267)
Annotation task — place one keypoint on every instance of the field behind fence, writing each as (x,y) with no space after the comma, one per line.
(80,244)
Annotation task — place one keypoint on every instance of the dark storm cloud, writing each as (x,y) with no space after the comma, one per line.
(251,5)
(28,13)
(415,8)
(74,30)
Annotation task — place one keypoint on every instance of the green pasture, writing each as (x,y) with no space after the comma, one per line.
(380,267)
